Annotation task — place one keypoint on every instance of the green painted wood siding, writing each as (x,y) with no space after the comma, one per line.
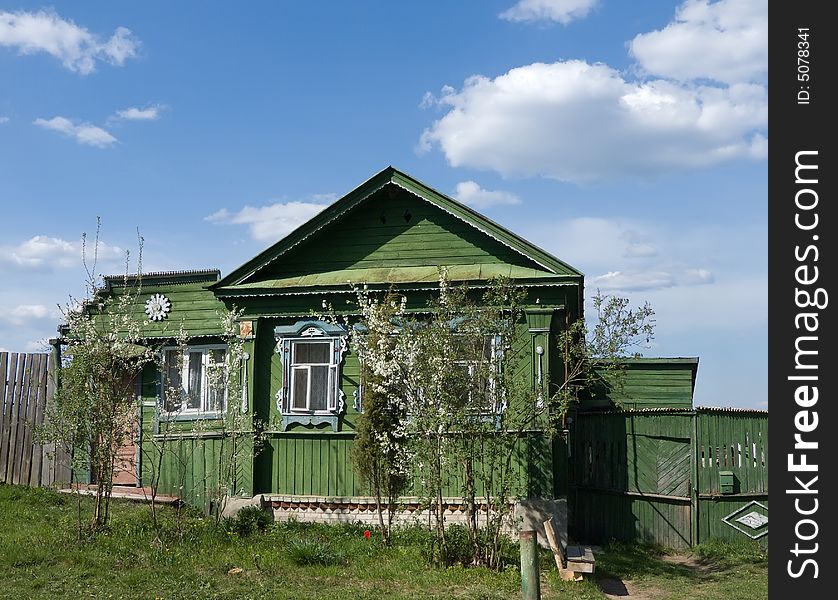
(732,442)
(712,511)
(379,234)
(632,474)
(320,464)
(646,383)
(598,517)
(635,453)
(193,306)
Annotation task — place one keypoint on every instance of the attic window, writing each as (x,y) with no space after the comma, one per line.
(407,216)
(383,218)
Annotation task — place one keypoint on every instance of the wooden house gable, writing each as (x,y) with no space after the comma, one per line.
(390,230)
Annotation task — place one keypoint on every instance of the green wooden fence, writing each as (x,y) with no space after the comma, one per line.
(655,475)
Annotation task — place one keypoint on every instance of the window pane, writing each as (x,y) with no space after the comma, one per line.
(319,388)
(216,380)
(172,386)
(312,352)
(193,391)
(299,388)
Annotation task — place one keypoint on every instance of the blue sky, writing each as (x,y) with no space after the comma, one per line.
(627,138)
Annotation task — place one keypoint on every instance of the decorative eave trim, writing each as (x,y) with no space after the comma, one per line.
(375,287)
(208,276)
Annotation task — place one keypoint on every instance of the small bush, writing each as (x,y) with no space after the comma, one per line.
(459,548)
(248,521)
(313,552)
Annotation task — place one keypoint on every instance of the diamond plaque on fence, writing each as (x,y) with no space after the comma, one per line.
(752,520)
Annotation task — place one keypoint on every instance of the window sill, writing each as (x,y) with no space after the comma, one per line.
(289,419)
(190,416)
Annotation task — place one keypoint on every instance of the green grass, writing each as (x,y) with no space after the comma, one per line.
(41,558)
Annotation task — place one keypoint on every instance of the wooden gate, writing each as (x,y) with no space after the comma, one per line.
(27,387)
(655,475)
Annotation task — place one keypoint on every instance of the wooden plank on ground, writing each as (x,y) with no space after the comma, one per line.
(555,546)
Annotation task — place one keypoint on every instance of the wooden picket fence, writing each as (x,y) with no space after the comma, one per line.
(27,388)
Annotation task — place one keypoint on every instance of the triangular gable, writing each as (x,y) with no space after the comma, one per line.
(295,257)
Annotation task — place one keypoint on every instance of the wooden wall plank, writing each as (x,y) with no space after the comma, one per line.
(9,416)
(37,422)
(20,475)
(35,374)
(4,358)
(13,466)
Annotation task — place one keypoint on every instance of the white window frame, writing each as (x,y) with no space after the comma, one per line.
(332,385)
(492,404)
(185,411)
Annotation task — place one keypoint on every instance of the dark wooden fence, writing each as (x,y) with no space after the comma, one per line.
(656,476)
(27,387)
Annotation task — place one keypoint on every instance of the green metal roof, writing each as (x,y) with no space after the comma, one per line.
(391,275)
(241,278)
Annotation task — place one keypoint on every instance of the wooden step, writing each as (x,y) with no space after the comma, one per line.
(580,559)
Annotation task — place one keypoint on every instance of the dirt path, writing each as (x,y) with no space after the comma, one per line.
(620,589)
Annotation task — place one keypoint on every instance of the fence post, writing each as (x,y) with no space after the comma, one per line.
(530,582)
(694,446)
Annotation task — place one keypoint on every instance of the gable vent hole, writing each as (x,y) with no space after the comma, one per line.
(407,216)
(383,218)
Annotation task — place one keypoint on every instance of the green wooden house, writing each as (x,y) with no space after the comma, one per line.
(392,232)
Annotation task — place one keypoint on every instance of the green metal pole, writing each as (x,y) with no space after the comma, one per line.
(530,583)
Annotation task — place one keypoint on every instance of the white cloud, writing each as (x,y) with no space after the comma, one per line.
(77,48)
(630,281)
(45,253)
(83,133)
(149,113)
(24,314)
(559,11)
(4,120)
(698,277)
(578,122)
(724,41)
(637,245)
(272,222)
(621,281)
(469,192)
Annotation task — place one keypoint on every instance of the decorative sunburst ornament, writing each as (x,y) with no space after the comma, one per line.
(157,307)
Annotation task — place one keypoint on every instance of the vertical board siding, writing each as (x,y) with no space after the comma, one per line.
(189,467)
(712,511)
(313,465)
(321,465)
(631,474)
(26,393)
